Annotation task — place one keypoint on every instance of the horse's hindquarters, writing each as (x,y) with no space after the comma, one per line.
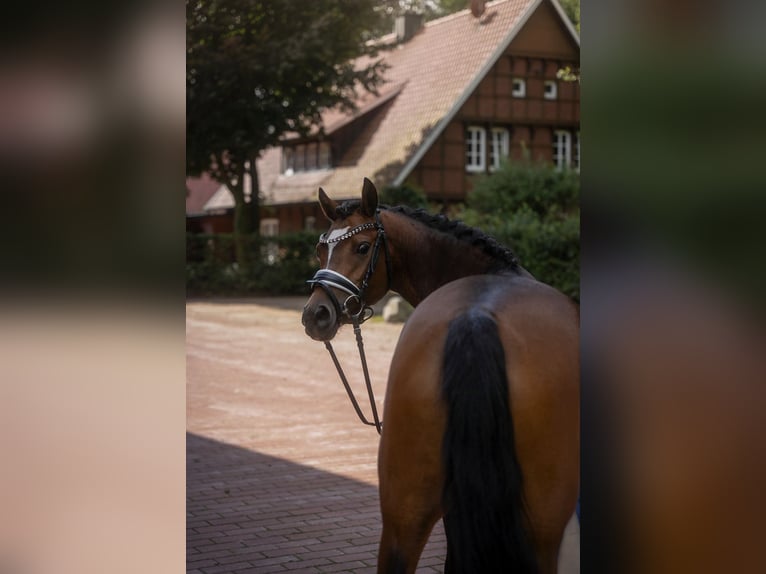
(538,329)
(542,357)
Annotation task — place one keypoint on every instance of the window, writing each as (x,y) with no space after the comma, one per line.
(311,156)
(310,223)
(306,157)
(566,153)
(475,149)
(288,161)
(300,158)
(269,227)
(550,90)
(562,149)
(324,156)
(519,88)
(576,154)
(270,249)
(499,147)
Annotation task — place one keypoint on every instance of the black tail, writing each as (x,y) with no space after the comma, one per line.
(484,520)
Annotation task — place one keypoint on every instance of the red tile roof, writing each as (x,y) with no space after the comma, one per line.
(199,190)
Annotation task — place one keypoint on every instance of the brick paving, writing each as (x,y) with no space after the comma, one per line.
(281,476)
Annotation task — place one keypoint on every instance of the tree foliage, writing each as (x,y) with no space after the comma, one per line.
(572,9)
(257,69)
(430,9)
(407,194)
(534,210)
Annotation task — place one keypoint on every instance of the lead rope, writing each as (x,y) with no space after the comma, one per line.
(360,344)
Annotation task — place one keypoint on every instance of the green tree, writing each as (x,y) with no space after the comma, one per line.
(407,194)
(257,69)
(572,9)
(533,209)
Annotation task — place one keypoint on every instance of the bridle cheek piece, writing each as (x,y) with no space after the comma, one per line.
(327,279)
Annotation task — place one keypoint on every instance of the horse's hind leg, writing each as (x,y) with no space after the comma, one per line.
(402,542)
(410,488)
(409,468)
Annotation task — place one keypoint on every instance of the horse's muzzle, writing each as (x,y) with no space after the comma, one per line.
(320,320)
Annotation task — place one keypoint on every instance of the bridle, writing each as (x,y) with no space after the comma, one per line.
(327,279)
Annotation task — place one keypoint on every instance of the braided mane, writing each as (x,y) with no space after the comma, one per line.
(503,257)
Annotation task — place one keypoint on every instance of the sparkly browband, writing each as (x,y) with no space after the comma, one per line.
(352,232)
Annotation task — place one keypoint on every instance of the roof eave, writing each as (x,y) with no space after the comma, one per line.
(343,122)
(567,22)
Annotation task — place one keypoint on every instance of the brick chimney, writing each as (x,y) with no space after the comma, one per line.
(407,25)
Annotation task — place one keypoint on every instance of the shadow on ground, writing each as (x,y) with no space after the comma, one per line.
(248,512)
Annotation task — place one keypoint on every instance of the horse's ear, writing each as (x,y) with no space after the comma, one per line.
(329,207)
(369,198)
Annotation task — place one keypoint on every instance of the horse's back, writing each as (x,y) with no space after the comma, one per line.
(539,326)
(511,299)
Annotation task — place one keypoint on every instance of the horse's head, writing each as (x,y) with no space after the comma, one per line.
(354,261)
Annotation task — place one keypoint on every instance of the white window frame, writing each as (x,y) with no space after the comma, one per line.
(269,227)
(310,156)
(576,152)
(325,156)
(288,161)
(562,149)
(554,90)
(500,138)
(475,149)
(519,88)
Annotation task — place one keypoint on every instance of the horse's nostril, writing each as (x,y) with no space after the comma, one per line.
(323,316)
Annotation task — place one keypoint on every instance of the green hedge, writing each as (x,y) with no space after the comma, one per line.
(533,209)
(280,265)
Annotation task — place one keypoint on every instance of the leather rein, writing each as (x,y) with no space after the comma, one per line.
(354,307)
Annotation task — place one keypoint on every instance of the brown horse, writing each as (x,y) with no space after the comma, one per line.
(481,414)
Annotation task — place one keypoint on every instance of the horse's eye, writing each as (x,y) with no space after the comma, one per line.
(363,248)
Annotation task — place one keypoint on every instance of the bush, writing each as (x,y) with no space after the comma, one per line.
(406,194)
(281,267)
(534,210)
(549,193)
